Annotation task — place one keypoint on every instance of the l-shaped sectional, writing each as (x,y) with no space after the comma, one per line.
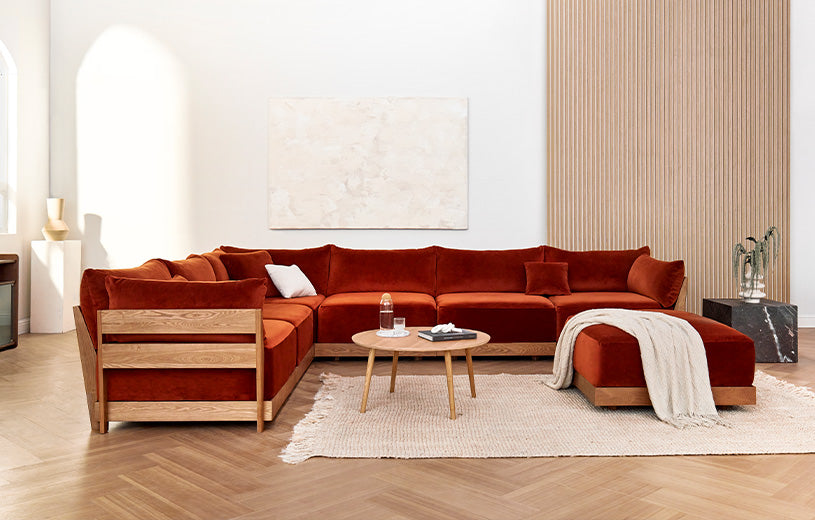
(520,297)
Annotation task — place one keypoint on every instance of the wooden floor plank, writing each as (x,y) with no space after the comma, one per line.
(53,466)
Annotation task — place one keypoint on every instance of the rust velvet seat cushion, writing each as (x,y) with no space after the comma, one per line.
(241,266)
(364,270)
(194,268)
(313,261)
(462,270)
(607,356)
(309,301)
(547,278)
(342,315)
(596,270)
(568,306)
(300,316)
(656,279)
(506,317)
(93,295)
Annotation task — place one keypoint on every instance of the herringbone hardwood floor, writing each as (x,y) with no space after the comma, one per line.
(52,466)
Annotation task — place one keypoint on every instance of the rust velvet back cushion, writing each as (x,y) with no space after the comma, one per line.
(214,259)
(194,268)
(93,295)
(241,266)
(596,270)
(363,270)
(547,278)
(128,293)
(313,261)
(464,270)
(657,279)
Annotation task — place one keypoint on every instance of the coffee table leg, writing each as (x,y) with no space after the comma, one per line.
(368,374)
(393,370)
(448,361)
(470,371)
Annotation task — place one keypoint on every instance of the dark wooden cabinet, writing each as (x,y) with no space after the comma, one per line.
(9,300)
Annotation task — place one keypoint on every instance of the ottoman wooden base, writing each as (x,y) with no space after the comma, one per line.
(638,395)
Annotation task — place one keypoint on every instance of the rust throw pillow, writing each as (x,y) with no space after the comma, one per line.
(195,268)
(656,279)
(547,278)
(250,265)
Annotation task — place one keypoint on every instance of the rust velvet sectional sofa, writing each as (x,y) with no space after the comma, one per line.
(210,337)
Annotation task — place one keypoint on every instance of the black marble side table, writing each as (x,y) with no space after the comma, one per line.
(773,326)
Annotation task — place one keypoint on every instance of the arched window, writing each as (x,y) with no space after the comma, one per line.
(8,140)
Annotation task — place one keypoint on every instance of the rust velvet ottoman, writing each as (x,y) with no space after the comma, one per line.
(608,367)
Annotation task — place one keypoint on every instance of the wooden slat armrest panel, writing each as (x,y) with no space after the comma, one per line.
(178,321)
(179,355)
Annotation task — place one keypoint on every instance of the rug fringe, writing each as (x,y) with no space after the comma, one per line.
(798,391)
(301,446)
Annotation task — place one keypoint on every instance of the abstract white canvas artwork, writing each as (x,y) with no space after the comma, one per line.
(368,163)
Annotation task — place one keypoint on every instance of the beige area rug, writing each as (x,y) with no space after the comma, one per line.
(519,416)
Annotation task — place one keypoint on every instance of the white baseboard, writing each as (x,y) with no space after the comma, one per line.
(24,326)
(805,322)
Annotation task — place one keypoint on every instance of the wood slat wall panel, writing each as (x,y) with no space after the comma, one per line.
(668,125)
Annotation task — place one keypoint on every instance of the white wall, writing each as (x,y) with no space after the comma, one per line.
(229,57)
(24,29)
(802,159)
(224,58)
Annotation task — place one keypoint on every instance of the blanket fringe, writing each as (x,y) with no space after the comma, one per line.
(689,421)
(301,446)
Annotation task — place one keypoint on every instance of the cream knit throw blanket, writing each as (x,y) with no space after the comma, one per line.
(673,359)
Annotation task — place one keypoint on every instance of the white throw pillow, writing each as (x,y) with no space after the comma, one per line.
(290,281)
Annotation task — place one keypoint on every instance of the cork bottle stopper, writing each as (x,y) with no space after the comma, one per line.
(386,296)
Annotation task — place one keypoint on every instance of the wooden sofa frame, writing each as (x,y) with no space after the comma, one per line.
(111,356)
(179,355)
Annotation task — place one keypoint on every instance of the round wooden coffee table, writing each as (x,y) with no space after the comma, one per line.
(413,344)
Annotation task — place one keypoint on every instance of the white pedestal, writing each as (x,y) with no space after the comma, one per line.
(55,271)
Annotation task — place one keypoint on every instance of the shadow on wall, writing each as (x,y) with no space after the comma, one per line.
(94,253)
(132,132)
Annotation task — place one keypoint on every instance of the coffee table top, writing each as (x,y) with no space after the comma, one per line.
(413,343)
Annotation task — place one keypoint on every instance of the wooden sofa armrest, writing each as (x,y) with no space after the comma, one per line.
(681,300)
(140,355)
